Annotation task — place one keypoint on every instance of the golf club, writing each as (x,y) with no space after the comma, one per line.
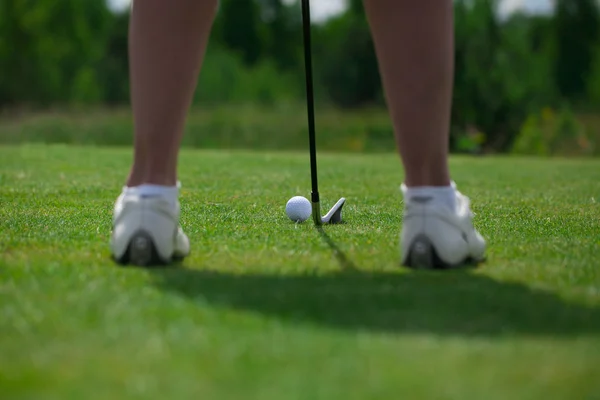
(334,215)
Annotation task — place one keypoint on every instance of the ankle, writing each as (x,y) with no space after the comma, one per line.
(445,194)
(168,192)
(428,180)
(433,173)
(138,179)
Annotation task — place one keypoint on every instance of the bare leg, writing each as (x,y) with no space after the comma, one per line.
(414,45)
(414,41)
(167,44)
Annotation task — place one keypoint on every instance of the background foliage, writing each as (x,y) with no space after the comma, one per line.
(526,83)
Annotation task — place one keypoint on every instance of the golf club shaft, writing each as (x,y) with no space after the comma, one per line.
(310,106)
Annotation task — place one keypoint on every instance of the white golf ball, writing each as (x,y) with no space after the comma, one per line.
(298,209)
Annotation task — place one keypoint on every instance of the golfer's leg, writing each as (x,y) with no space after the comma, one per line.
(414,46)
(167,44)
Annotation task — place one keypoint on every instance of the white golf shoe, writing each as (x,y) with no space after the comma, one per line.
(146,231)
(434,236)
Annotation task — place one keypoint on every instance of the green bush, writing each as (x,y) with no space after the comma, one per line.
(225,79)
(85,88)
(499,78)
(551,133)
(281,126)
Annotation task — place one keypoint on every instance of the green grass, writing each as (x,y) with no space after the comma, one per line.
(267,309)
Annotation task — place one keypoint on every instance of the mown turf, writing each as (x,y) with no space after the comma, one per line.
(267,309)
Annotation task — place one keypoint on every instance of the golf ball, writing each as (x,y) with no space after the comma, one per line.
(298,209)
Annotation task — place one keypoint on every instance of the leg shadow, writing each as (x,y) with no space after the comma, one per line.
(456,302)
(442,303)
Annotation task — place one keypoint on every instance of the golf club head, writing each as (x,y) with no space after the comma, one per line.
(334,216)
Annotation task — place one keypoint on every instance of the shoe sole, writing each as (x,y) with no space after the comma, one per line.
(142,252)
(422,255)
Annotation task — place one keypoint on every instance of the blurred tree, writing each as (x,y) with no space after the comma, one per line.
(55,52)
(499,80)
(345,59)
(114,66)
(593,84)
(239,28)
(540,28)
(50,50)
(356,7)
(283,37)
(576,29)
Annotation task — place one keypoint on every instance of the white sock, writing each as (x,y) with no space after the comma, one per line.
(444,194)
(170,193)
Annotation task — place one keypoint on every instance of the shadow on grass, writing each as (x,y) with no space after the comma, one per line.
(345,263)
(458,302)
